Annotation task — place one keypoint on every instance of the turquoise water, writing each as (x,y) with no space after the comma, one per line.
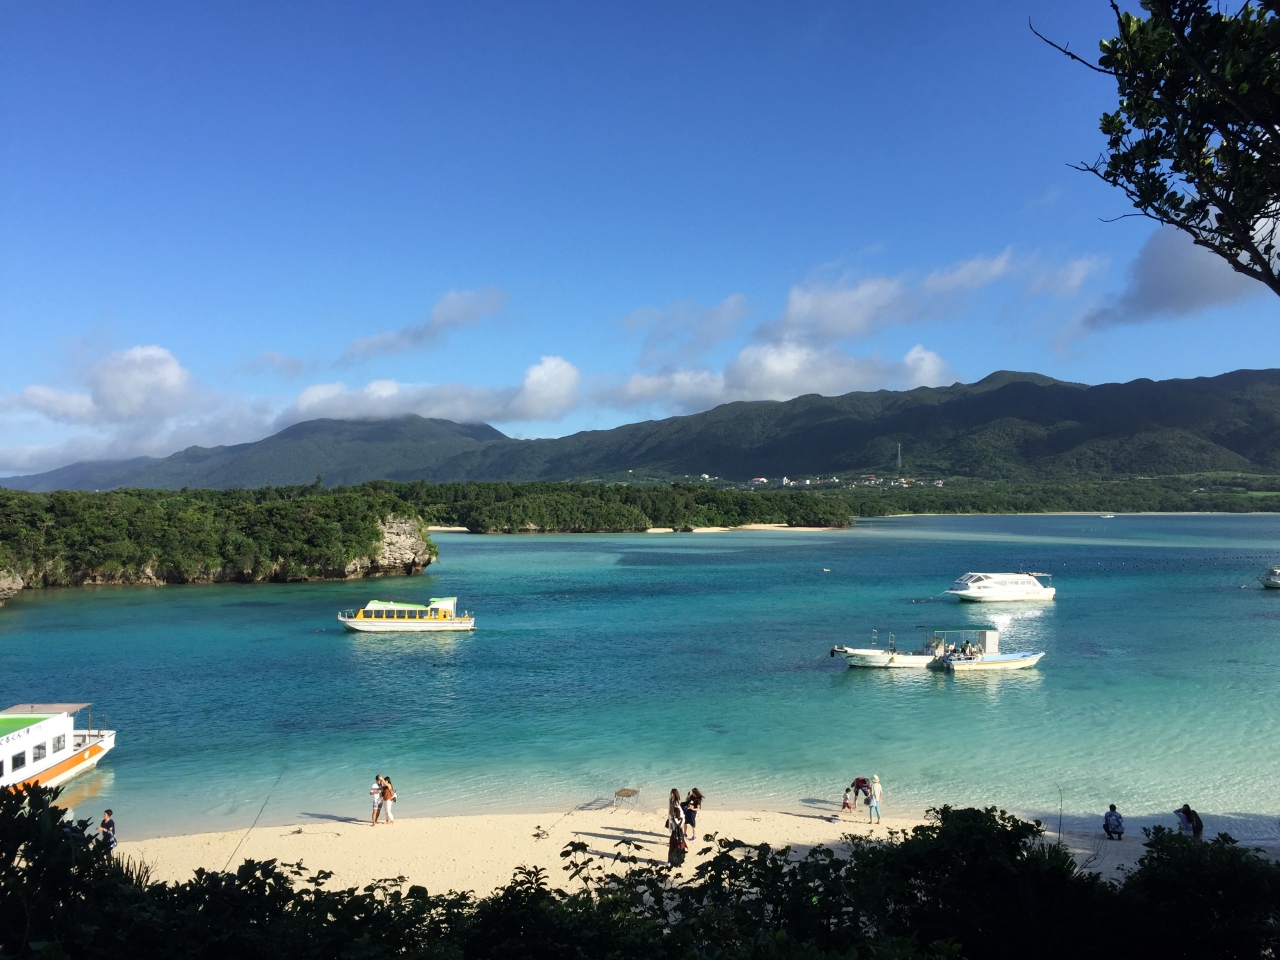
(681,660)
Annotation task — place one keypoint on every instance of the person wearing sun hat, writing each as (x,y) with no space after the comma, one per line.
(873,800)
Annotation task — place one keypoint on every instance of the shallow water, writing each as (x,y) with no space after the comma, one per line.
(664,660)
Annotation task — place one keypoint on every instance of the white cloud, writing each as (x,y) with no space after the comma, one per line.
(1065,282)
(140,383)
(684,330)
(1171,277)
(839,311)
(970,275)
(778,370)
(549,390)
(457,308)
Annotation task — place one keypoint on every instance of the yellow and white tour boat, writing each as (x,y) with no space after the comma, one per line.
(385,616)
(39,744)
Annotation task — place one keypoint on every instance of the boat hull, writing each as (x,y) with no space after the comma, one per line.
(999,661)
(1270,583)
(883,659)
(455,625)
(1004,596)
(85,759)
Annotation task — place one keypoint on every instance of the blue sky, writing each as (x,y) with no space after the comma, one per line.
(219,219)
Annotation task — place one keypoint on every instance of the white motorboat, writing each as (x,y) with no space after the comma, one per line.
(1271,578)
(884,657)
(969,649)
(40,744)
(1003,587)
(385,616)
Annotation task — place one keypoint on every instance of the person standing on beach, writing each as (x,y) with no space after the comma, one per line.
(692,804)
(1113,824)
(877,794)
(1189,822)
(676,843)
(388,800)
(848,799)
(375,791)
(107,829)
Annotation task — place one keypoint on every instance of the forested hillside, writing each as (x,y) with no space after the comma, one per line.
(1009,426)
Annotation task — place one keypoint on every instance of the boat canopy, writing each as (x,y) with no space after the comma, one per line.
(44,708)
(397,605)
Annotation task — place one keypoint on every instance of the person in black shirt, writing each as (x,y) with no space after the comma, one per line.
(107,829)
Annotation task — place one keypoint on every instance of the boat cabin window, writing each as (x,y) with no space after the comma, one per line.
(377,614)
(39,752)
(399,614)
(434,614)
(19,761)
(59,743)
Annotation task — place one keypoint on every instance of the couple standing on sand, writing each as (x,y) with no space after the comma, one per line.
(681,818)
(872,793)
(384,796)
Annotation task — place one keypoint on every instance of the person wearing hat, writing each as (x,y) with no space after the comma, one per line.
(873,801)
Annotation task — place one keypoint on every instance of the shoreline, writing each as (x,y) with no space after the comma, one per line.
(480,852)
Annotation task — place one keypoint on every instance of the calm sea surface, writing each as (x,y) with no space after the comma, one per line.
(655,661)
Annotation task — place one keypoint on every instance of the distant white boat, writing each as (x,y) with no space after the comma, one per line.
(1271,578)
(883,657)
(1002,587)
(969,649)
(1108,516)
(384,616)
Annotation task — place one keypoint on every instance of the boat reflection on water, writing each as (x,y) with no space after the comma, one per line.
(84,789)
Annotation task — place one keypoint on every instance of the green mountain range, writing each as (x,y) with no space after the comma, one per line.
(1009,425)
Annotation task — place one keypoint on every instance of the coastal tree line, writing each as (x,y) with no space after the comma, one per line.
(969,883)
(313,531)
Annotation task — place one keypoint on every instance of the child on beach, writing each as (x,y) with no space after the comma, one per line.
(848,799)
(877,794)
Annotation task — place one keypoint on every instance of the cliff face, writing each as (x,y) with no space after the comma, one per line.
(405,550)
(10,583)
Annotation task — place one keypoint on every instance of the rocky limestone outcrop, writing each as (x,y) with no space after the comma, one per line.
(405,551)
(10,583)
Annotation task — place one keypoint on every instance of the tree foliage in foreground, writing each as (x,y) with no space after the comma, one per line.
(969,884)
(1195,139)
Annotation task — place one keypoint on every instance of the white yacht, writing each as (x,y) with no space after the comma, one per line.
(1001,587)
(1271,578)
(970,649)
(887,656)
(386,616)
(39,744)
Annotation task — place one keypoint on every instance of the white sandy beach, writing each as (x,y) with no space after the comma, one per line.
(481,852)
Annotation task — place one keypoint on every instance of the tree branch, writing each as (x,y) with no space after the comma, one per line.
(1066,52)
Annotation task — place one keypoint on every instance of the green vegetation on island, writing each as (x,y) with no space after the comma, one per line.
(161,536)
(316,532)
(972,884)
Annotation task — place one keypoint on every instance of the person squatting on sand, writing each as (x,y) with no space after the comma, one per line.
(1189,821)
(388,799)
(1113,824)
(873,800)
(676,843)
(375,792)
(692,804)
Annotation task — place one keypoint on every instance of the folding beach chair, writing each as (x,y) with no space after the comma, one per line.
(627,795)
